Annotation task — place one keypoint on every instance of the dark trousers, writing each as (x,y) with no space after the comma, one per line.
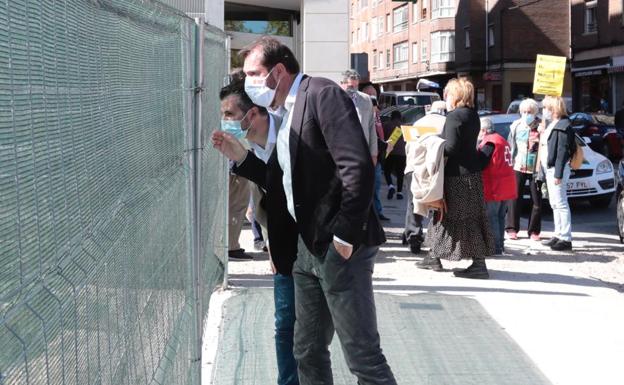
(333,294)
(413,233)
(395,164)
(513,214)
(284,296)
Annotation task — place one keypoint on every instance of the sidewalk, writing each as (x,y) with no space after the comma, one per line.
(543,317)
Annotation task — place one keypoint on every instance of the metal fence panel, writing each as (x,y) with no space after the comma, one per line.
(96,284)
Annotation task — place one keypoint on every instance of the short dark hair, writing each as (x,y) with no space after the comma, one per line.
(237,88)
(395,115)
(273,53)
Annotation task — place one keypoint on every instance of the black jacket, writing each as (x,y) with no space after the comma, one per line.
(561,146)
(332,177)
(461,130)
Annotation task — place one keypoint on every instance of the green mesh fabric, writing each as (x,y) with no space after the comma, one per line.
(97,216)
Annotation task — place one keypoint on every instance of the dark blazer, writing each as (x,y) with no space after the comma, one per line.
(461,130)
(561,146)
(332,176)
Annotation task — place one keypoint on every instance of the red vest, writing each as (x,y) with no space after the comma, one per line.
(499,179)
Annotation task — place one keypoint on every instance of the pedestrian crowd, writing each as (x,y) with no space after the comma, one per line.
(308,176)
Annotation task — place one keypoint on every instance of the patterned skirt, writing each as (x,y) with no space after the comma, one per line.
(464,232)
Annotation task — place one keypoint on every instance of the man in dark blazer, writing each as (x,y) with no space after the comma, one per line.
(319,183)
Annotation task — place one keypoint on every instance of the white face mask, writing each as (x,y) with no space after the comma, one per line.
(257,90)
(547,115)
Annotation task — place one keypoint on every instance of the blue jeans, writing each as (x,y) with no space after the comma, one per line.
(376,200)
(496,211)
(558,199)
(284,295)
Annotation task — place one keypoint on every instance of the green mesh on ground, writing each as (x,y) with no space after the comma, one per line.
(98,219)
(428,339)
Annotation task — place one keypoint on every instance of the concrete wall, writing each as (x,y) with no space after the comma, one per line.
(325,37)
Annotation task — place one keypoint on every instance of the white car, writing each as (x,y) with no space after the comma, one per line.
(594,181)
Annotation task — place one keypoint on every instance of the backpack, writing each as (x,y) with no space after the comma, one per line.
(576,151)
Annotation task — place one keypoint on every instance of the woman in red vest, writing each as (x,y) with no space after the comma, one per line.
(499,180)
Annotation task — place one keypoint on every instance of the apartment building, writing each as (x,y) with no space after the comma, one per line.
(405,41)
(497,42)
(598,54)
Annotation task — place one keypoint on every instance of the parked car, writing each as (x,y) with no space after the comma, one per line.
(605,137)
(594,181)
(620,201)
(399,98)
(409,113)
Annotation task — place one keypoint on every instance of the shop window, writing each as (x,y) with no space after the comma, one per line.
(491,39)
(467,37)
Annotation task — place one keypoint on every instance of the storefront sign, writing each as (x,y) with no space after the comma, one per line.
(492,76)
(549,75)
(588,73)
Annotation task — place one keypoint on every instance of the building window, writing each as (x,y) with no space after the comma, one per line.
(364,32)
(400,18)
(423,10)
(374,32)
(415,11)
(388,60)
(442,8)
(358,36)
(591,24)
(467,37)
(491,40)
(352,37)
(442,46)
(388,22)
(375,59)
(380,26)
(363,4)
(381,60)
(414,52)
(423,51)
(400,55)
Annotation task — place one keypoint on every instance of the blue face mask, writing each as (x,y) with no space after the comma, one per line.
(234,128)
(528,119)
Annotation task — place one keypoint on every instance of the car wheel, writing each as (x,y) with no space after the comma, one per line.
(602,202)
(620,216)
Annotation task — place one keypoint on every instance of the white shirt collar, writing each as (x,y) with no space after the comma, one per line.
(272,135)
(292,94)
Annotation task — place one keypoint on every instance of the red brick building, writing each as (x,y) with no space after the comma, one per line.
(405,41)
(498,48)
(598,54)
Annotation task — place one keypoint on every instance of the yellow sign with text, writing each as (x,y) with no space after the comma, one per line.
(549,75)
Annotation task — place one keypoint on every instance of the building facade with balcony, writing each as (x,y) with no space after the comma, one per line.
(497,43)
(598,54)
(404,41)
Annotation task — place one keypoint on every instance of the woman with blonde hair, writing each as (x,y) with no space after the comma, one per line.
(557,144)
(460,229)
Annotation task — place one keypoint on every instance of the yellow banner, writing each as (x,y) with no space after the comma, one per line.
(549,75)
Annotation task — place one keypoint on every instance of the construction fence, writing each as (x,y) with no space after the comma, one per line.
(112,205)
